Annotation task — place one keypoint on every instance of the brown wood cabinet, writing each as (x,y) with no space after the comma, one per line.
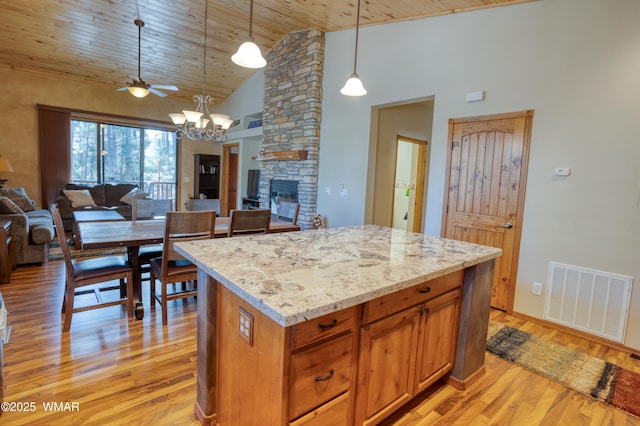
(353,366)
(408,341)
(206,176)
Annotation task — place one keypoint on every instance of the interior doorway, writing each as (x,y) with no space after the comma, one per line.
(408,184)
(229,184)
(412,121)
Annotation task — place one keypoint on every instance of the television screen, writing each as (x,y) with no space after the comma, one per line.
(252,184)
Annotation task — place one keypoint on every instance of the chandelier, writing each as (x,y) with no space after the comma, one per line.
(200,124)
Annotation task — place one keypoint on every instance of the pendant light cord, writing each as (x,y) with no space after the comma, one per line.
(355,56)
(251,20)
(204,54)
(139,24)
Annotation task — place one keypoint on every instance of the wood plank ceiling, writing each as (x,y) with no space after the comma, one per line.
(97,40)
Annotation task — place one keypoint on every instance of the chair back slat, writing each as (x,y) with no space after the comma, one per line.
(147,208)
(243,222)
(186,226)
(288,211)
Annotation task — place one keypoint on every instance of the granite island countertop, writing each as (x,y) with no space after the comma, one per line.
(296,276)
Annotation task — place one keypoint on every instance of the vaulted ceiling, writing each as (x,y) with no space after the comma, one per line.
(97,40)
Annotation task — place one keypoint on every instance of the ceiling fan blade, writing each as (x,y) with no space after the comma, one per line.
(160,86)
(157,92)
(123,88)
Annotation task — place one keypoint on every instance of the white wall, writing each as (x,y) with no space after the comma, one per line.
(575,62)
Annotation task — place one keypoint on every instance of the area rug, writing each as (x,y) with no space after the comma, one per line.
(55,252)
(586,374)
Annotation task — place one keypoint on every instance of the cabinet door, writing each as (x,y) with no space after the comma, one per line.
(437,338)
(386,365)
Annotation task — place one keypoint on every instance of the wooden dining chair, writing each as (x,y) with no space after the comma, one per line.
(242,222)
(172,267)
(83,273)
(147,209)
(288,211)
(195,204)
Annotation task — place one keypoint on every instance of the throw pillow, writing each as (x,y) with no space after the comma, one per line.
(19,197)
(135,193)
(79,197)
(9,207)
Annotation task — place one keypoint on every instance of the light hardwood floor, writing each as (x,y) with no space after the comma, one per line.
(139,372)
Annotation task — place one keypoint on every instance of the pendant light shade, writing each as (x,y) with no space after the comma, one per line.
(248,54)
(353,86)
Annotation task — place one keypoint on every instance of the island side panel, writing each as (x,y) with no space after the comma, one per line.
(474,323)
(206,396)
(253,372)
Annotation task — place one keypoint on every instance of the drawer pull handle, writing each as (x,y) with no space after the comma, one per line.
(424,290)
(326,326)
(325,378)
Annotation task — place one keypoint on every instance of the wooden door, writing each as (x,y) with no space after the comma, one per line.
(232,193)
(229,185)
(486,180)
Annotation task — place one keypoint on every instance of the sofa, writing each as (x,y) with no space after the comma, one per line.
(117,197)
(31,228)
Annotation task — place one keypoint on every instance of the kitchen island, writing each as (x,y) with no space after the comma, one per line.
(335,326)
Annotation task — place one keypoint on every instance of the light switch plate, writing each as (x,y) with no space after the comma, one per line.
(245,326)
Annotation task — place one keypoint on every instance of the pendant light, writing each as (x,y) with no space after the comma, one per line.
(353,86)
(248,54)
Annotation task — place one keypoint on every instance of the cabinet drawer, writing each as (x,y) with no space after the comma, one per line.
(320,328)
(333,413)
(391,303)
(319,374)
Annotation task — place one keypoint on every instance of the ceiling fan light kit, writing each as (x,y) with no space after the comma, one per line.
(138,92)
(353,86)
(138,87)
(248,54)
(195,124)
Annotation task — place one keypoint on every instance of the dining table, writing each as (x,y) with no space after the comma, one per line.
(134,234)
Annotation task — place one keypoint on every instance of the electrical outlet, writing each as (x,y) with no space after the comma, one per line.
(245,326)
(537,289)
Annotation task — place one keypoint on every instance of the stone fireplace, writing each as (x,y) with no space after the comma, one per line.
(291,117)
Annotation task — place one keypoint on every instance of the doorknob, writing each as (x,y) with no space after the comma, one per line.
(508,225)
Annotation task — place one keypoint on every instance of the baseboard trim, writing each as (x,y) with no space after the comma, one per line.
(204,420)
(576,333)
(465,384)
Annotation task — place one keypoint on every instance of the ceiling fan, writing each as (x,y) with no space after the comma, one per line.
(138,87)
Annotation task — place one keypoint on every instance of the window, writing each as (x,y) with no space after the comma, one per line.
(112,153)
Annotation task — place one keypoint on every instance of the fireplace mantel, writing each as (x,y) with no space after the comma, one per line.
(292,155)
